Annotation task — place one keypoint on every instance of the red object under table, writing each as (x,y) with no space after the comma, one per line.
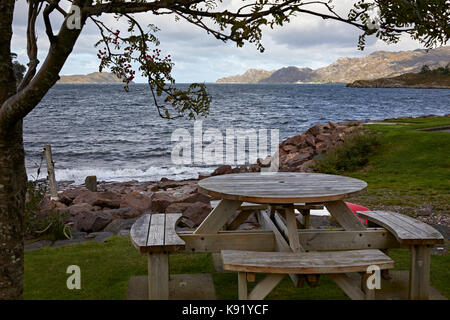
(357,207)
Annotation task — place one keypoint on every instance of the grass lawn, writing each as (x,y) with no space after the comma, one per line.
(410,168)
(107,267)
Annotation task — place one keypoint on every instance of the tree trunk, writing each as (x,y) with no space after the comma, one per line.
(13,180)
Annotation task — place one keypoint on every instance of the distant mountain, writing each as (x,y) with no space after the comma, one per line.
(250,76)
(289,75)
(379,64)
(95,77)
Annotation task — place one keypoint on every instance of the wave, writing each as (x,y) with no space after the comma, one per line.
(152,173)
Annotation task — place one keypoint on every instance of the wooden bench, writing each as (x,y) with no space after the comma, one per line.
(419,237)
(155,235)
(279,264)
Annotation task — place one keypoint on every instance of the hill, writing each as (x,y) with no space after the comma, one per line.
(250,76)
(95,77)
(433,79)
(379,64)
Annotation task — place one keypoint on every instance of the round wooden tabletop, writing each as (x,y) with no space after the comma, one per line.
(281,187)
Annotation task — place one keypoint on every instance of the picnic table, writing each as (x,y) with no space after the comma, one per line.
(285,245)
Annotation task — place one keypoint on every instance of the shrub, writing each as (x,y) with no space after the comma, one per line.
(352,155)
(51,225)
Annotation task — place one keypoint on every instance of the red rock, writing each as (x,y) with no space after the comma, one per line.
(46,206)
(298,159)
(197,212)
(160,201)
(254,168)
(109,199)
(310,140)
(86,196)
(195,197)
(178,207)
(314,131)
(225,169)
(80,208)
(290,148)
(136,200)
(91,221)
(295,141)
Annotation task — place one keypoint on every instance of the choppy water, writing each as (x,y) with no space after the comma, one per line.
(102,130)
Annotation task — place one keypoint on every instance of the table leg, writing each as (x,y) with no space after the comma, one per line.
(419,274)
(158,276)
(344,216)
(218,217)
(242,286)
(291,224)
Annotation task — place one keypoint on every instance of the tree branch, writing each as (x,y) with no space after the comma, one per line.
(19,105)
(33,11)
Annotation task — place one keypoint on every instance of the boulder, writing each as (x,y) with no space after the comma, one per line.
(197,212)
(118,225)
(109,199)
(80,208)
(47,206)
(297,159)
(225,169)
(86,196)
(67,196)
(137,201)
(177,207)
(298,141)
(123,213)
(91,221)
(194,197)
(160,201)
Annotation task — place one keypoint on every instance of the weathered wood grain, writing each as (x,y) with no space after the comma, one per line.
(265,240)
(407,230)
(282,187)
(139,232)
(218,217)
(304,262)
(344,216)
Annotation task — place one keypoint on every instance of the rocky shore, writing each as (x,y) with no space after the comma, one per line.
(116,205)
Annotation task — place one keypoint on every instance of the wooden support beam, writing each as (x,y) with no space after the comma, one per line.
(242,286)
(369,294)
(265,240)
(158,276)
(280,242)
(347,285)
(265,286)
(344,215)
(419,274)
(291,223)
(218,216)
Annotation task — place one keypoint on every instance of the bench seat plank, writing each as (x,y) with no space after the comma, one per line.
(305,262)
(156,230)
(155,233)
(407,230)
(139,231)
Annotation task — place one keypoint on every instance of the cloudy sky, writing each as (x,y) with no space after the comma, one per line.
(306,42)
